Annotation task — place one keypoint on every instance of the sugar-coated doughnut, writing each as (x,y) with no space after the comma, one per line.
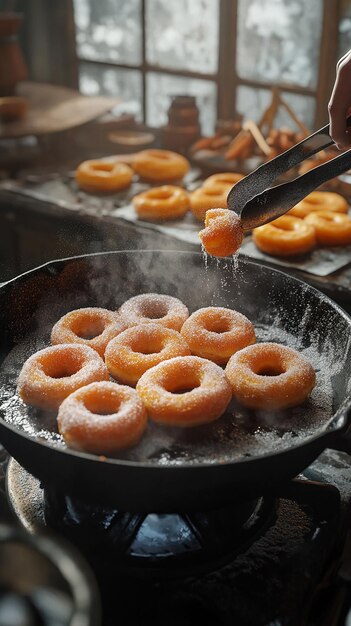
(185,391)
(156,308)
(205,198)
(167,202)
(103,175)
(320,201)
(270,376)
(227,179)
(51,374)
(223,233)
(285,236)
(91,326)
(215,333)
(102,418)
(332,229)
(137,349)
(160,165)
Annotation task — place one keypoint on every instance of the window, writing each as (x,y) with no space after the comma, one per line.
(226,52)
(345,28)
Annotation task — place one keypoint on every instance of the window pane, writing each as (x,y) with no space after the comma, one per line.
(183,34)
(161,86)
(278,40)
(108,30)
(345,28)
(126,84)
(251,103)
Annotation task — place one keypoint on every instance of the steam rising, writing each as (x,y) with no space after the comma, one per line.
(282,310)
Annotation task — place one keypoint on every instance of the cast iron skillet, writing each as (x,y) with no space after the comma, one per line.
(243,454)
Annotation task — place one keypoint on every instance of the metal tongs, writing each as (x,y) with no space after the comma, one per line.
(257,203)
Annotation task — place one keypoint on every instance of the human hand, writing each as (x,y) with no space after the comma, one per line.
(340,102)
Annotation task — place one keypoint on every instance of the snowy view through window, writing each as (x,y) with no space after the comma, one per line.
(277,41)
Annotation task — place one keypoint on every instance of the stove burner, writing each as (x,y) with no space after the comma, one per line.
(275,579)
(167,544)
(171,544)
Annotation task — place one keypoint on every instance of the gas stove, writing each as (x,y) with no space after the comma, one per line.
(272,561)
(278,560)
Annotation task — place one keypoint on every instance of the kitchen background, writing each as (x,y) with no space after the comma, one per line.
(104,79)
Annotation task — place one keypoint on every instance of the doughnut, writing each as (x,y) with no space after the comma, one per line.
(285,236)
(270,376)
(102,175)
(318,159)
(185,391)
(51,374)
(320,201)
(102,418)
(332,229)
(91,326)
(205,198)
(162,203)
(138,348)
(215,333)
(156,308)
(160,165)
(226,179)
(223,234)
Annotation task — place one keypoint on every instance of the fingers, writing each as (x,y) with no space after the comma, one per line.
(340,102)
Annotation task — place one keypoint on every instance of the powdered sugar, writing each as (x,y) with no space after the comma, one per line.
(90,326)
(217,332)
(51,374)
(239,433)
(102,417)
(282,310)
(151,307)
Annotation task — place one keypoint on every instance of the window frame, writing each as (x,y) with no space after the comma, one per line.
(226,78)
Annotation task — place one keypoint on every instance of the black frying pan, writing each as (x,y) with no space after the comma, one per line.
(242,454)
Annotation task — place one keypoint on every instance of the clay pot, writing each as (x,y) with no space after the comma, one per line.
(183,126)
(183,111)
(12,65)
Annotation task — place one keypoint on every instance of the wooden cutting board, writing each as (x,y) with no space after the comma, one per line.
(52,108)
